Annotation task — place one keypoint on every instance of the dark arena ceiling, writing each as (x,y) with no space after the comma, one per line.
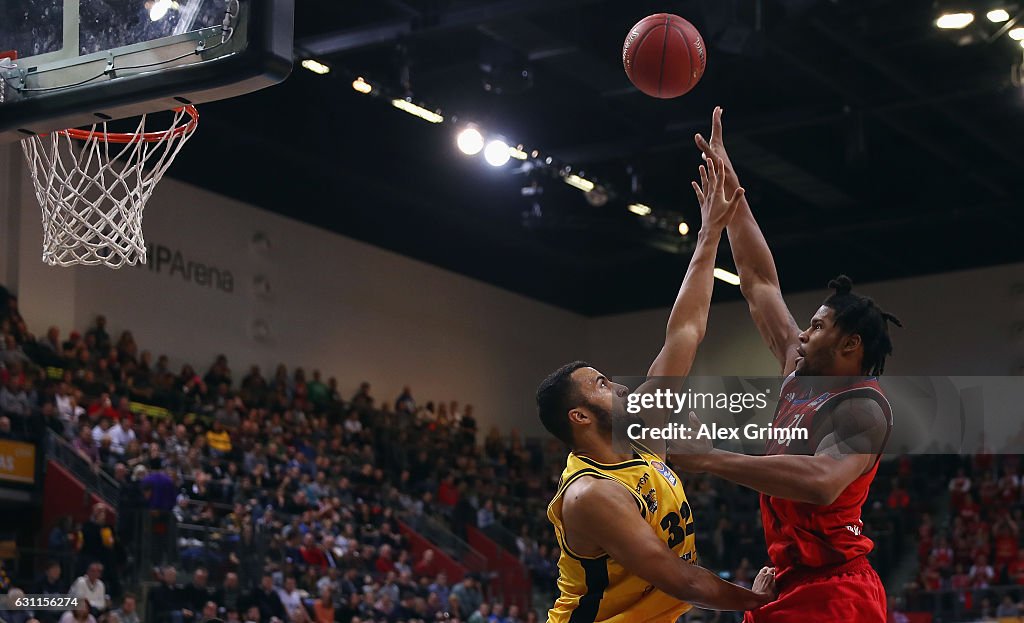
(869,141)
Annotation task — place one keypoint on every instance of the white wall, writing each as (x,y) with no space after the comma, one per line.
(352,310)
(967,323)
(963,323)
(360,313)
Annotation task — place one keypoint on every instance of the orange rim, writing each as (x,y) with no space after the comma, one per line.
(145,137)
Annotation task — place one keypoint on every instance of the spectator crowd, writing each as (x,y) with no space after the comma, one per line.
(266,499)
(972,561)
(284,492)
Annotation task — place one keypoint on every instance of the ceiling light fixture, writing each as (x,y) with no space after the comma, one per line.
(954,21)
(361,85)
(726,276)
(998,16)
(470,141)
(579,182)
(316,66)
(497,153)
(417,111)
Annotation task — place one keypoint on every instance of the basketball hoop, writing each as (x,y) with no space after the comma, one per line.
(92,194)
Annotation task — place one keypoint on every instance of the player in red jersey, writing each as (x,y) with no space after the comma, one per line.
(811,491)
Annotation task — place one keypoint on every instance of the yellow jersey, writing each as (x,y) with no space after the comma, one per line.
(219,441)
(598,589)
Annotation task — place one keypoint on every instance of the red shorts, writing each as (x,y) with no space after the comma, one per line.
(849,593)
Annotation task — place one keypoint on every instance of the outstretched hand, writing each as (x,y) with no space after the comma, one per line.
(715,148)
(715,209)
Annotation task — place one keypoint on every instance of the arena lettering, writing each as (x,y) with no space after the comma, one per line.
(161,258)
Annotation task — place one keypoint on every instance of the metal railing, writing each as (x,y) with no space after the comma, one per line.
(503,537)
(90,474)
(438,534)
(159,539)
(204,546)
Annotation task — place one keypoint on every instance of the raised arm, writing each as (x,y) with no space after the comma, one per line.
(689,317)
(759,281)
(603,513)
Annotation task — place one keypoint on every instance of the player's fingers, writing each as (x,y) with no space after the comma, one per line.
(736,197)
(696,189)
(704,177)
(716,123)
(702,144)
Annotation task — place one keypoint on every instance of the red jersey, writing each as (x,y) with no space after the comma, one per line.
(806,535)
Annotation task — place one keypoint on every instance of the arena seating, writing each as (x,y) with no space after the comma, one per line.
(245,483)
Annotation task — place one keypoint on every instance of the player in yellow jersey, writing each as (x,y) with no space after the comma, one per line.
(621,518)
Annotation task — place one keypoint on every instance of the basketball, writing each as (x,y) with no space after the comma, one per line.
(664,55)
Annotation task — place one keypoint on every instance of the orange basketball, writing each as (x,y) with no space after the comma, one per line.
(664,55)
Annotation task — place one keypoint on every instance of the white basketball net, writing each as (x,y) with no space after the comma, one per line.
(93,190)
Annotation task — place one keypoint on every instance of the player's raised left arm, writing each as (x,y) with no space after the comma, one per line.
(689,317)
(860,429)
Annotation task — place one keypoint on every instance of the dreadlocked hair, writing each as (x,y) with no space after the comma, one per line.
(860,315)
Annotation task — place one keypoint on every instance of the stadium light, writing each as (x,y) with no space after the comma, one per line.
(998,16)
(316,66)
(470,141)
(1017,34)
(417,111)
(579,182)
(639,209)
(730,278)
(954,21)
(361,85)
(518,153)
(497,153)
(683,228)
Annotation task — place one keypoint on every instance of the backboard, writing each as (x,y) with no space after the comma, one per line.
(83,61)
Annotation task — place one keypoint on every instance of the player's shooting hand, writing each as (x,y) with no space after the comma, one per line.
(764,584)
(716,210)
(716,145)
(690,451)
(715,148)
